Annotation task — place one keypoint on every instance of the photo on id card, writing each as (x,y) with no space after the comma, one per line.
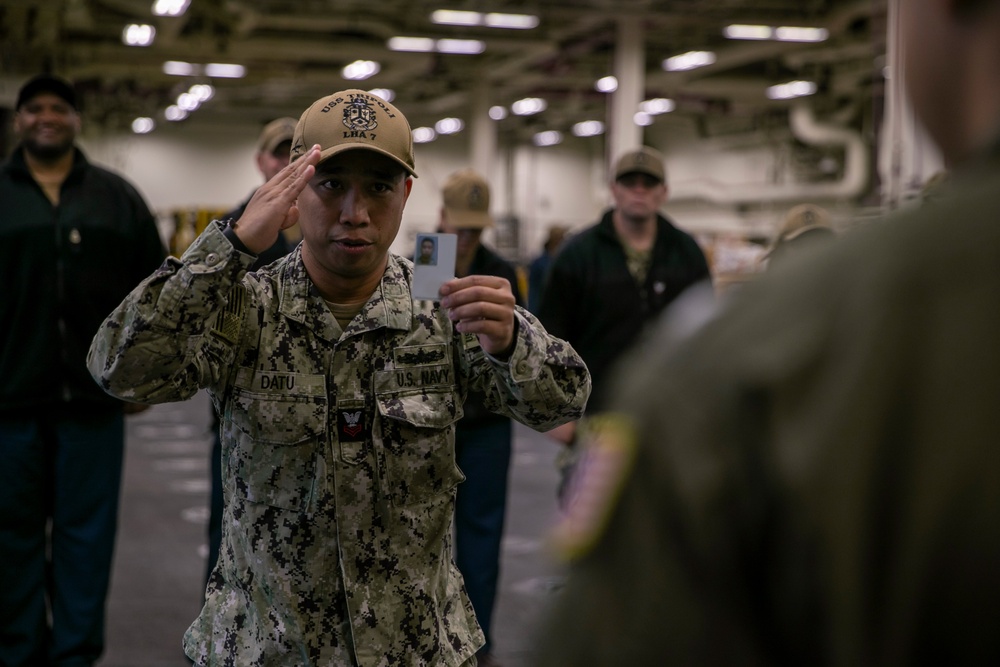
(433,264)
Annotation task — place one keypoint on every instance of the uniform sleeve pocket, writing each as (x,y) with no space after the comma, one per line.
(416,436)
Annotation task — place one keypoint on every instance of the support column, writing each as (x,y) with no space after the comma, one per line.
(484,134)
(907,157)
(630,70)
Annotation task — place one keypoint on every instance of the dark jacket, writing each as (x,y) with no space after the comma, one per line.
(593,302)
(64,269)
(488,263)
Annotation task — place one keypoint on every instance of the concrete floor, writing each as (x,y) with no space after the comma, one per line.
(156,585)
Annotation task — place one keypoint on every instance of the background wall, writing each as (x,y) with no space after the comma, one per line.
(727,187)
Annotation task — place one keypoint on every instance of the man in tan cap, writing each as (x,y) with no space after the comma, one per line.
(612,279)
(273,148)
(802,226)
(339,394)
(482,437)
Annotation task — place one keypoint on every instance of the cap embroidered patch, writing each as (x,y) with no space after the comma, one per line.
(354,119)
(608,447)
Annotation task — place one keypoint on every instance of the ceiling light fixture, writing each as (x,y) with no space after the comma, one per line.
(181,68)
(547,138)
(460,46)
(170,7)
(360,70)
(415,44)
(422,135)
(498,112)
(143,125)
(449,126)
(455,17)
(490,20)
(511,21)
(688,61)
(386,94)
(642,119)
(203,91)
(800,34)
(225,70)
(782,33)
(792,89)
(428,45)
(528,106)
(743,31)
(606,84)
(588,128)
(657,105)
(174,113)
(136,34)
(188,102)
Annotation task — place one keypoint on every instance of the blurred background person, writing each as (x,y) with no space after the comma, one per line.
(803,226)
(76,238)
(273,148)
(539,267)
(812,478)
(613,278)
(482,437)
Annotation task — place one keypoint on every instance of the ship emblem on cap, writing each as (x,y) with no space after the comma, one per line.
(475,197)
(359,115)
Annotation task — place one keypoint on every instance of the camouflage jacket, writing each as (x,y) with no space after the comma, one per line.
(338,453)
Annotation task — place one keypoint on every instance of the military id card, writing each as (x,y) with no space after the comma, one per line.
(433,264)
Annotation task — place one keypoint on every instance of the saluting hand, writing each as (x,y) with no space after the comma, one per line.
(483,305)
(272,208)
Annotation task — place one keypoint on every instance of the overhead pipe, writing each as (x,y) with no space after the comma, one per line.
(806,128)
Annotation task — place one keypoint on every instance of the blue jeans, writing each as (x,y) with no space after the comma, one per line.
(59,486)
(483,453)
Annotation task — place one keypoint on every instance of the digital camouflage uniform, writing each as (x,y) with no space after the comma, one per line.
(338,451)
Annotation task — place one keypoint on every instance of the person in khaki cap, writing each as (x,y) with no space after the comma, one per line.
(612,279)
(339,395)
(482,437)
(801,228)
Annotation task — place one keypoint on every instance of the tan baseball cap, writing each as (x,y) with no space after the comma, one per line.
(353,119)
(801,219)
(274,133)
(644,160)
(466,197)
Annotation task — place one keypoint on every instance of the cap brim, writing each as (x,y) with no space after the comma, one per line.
(644,172)
(462,219)
(328,153)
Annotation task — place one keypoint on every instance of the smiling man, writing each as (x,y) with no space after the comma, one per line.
(339,395)
(74,239)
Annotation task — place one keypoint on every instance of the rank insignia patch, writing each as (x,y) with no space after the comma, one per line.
(352,424)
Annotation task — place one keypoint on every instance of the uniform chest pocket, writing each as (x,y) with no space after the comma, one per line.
(276,443)
(416,437)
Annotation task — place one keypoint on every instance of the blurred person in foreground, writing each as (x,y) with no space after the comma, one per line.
(482,437)
(812,478)
(338,394)
(274,146)
(74,239)
(609,281)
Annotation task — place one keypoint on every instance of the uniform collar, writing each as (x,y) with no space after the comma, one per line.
(390,306)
